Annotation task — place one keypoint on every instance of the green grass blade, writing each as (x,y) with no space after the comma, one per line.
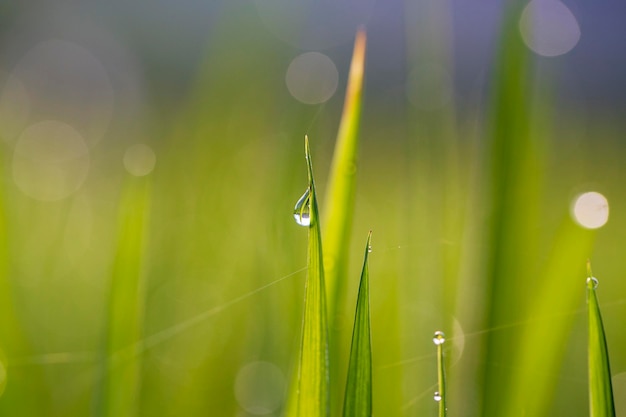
(358,398)
(441,395)
(122,373)
(313,377)
(339,207)
(16,391)
(600,389)
(549,323)
(514,177)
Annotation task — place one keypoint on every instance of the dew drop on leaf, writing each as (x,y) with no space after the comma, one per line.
(439,338)
(302,211)
(592,282)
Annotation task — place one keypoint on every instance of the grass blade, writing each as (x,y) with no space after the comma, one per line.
(17,399)
(441,396)
(339,208)
(600,389)
(313,377)
(122,373)
(559,293)
(514,178)
(358,398)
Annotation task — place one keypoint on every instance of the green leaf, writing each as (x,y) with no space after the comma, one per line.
(122,366)
(358,398)
(313,377)
(339,208)
(600,389)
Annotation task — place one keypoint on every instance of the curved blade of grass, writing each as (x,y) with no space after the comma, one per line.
(122,372)
(313,377)
(358,397)
(600,389)
(339,205)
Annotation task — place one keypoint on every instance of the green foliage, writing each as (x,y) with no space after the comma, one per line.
(601,402)
(470,208)
(358,396)
(121,373)
(339,206)
(313,374)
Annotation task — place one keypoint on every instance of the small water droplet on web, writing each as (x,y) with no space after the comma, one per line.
(592,282)
(302,211)
(437,396)
(439,338)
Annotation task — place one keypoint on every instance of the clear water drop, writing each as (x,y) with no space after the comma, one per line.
(437,396)
(439,338)
(369,248)
(592,282)
(302,211)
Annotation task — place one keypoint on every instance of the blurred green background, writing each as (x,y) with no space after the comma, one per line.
(152,153)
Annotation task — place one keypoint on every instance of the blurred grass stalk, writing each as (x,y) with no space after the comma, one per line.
(339,198)
(544,337)
(517,291)
(514,178)
(15,391)
(119,395)
(339,210)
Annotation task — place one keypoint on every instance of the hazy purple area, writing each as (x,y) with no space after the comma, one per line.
(172,36)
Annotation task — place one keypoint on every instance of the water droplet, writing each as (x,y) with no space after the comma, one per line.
(369,248)
(592,282)
(437,396)
(302,211)
(439,338)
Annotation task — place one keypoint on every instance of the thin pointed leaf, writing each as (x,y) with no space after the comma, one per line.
(313,377)
(358,397)
(339,206)
(600,389)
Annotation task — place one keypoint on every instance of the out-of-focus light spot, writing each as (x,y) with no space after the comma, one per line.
(619,393)
(312,78)
(14,108)
(429,87)
(3,378)
(50,161)
(259,387)
(591,210)
(314,24)
(549,28)
(139,160)
(65,82)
